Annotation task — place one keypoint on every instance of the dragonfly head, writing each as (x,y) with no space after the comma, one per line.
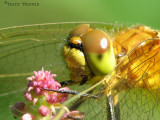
(96,46)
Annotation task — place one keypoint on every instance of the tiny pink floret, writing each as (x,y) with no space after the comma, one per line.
(74,114)
(28,116)
(61,97)
(28,96)
(51,98)
(43,111)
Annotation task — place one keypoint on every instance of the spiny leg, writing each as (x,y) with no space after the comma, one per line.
(70,82)
(113,112)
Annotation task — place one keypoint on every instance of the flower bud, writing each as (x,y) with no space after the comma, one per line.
(28,116)
(43,111)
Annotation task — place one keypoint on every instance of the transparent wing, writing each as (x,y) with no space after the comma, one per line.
(140,72)
(28,48)
(136,82)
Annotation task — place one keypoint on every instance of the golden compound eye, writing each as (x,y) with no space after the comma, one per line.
(76,40)
(96,41)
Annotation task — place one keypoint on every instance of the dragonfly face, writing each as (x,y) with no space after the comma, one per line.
(94,46)
(132,80)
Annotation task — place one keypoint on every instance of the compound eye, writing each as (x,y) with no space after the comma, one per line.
(96,41)
(79,30)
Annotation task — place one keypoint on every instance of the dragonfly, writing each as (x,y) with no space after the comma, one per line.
(129,90)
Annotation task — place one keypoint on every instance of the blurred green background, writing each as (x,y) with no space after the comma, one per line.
(122,11)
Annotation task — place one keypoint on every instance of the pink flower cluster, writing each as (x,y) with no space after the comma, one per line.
(41,80)
(42,103)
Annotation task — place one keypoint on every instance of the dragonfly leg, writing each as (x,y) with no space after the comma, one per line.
(73,93)
(70,82)
(64,83)
(84,80)
(113,111)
